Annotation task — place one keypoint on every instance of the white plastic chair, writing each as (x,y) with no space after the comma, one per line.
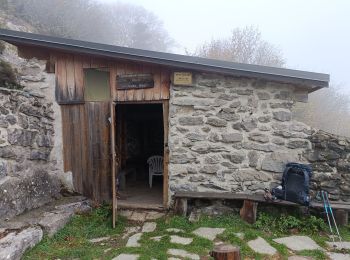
(155,167)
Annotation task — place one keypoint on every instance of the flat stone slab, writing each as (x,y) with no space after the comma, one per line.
(240,235)
(299,257)
(152,215)
(208,233)
(134,240)
(13,245)
(260,246)
(149,227)
(130,230)
(54,221)
(126,257)
(181,240)
(175,230)
(337,256)
(138,216)
(157,238)
(339,245)
(98,239)
(182,253)
(298,243)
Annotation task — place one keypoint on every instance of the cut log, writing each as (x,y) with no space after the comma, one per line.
(226,252)
(180,206)
(341,217)
(248,211)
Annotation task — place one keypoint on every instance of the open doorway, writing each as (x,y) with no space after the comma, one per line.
(139,137)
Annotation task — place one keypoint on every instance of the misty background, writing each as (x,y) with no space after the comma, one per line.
(307,35)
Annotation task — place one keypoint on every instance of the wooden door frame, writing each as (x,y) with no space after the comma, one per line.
(165,110)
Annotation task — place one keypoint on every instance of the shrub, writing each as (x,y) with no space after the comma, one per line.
(283,223)
(8,76)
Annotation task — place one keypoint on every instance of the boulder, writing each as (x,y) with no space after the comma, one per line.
(13,245)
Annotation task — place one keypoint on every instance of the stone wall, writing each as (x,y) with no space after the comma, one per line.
(30,138)
(235,134)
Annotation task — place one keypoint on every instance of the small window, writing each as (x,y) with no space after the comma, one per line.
(96,83)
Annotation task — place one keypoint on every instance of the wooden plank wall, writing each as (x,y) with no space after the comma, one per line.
(86,148)
(70,79)
(86,131)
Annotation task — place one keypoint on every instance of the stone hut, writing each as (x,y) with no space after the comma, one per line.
(219,126)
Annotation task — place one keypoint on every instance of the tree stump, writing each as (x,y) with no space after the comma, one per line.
(226,252)
(180,207)
(341,217)
(248,211)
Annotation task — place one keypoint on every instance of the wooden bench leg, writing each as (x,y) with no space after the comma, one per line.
(180,207)
(248,211)
(341,217)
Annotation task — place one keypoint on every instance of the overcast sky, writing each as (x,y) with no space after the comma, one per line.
(313,35)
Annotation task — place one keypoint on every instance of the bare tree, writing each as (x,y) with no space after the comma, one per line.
(327,109)
(244,45)
(113,23)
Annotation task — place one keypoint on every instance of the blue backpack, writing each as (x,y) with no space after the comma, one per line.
(295,184)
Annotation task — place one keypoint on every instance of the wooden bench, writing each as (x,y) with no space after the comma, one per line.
(250,204)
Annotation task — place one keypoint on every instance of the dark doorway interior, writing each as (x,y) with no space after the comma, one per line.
(139,136)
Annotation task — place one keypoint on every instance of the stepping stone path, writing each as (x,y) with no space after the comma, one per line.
(337,256)
(299,257)
(175,230)
(130,230)
(141,216)
(181,240)
(99,239)
(298,243)
(126,257)
(158,238)
(149,227)
(240,235)
(208,233)
(183,254)
(339,245)
(260,246)
(134,240)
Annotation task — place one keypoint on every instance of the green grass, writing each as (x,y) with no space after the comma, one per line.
(72,241)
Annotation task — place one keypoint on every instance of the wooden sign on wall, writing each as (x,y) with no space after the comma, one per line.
(135,81)
(182,78)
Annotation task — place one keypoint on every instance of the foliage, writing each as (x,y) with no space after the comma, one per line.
(328,110)
(114,23)
(2,46)
(72,241)
(244,45)
(8,76)
(285,222)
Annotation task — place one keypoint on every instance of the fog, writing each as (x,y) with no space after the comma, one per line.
(312,35)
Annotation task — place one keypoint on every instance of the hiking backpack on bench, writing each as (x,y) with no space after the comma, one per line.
(295,184)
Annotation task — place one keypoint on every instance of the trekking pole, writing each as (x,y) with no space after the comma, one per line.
(325,207)
(331,211)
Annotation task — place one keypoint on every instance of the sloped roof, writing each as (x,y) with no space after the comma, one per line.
(310,80)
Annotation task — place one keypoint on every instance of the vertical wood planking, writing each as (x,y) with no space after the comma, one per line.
(70,78)
(157,83)
(61,86)
(114,164)
(165,84)
(79,78)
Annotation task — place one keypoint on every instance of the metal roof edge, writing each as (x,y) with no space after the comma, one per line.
(311,79)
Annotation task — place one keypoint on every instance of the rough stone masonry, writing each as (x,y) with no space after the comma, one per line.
(30,143)
(235,134)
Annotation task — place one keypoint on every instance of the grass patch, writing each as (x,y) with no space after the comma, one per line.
(72,241)
(315,254)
